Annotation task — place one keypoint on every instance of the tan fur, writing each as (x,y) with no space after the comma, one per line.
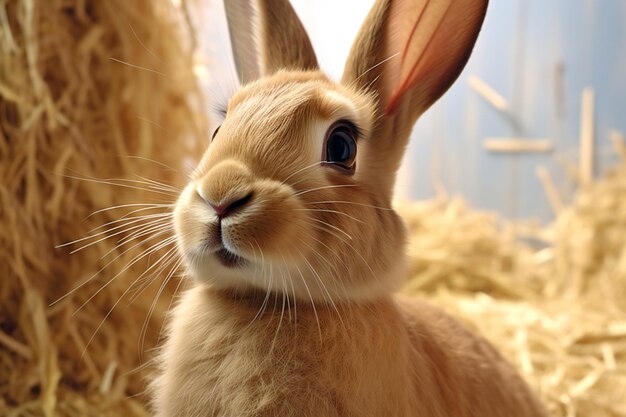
(384,358)
(307,325)
(279,226)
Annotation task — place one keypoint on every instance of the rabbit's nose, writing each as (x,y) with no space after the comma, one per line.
(230,206)
(227,187)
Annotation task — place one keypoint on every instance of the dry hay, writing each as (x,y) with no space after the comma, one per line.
(552,299)
(83,85)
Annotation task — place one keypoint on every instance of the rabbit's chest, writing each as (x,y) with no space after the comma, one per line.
(217,364)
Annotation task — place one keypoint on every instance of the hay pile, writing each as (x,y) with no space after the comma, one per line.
(83,85)
(552,299)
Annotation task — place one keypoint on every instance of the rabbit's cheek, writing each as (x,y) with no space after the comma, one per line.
(277,225)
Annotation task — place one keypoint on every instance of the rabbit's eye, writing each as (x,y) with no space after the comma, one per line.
(341,146)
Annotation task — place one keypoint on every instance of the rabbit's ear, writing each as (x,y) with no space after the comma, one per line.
(266,36)
(408,52)
(240,16)
(411,51)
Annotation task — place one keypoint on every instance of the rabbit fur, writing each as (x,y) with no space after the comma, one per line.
(293,249)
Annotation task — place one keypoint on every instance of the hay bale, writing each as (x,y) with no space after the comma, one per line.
(552,299)
(83,85)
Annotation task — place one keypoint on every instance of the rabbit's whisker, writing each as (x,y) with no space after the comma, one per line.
(280,320)
(264,276)
(106,316)
(338,282)
(324,188)
(142,44)
(138,67)
(268,292)
(130,213)
(352,203)
(332,227)
(130,220)
(299,171)
(359,255)
(337,275)
(156,183)
(159,227)
(139,394)
(320,282)
(127,221)
(317,319)
(367,87)
(143,158)
(153,123)
(284,290)
(137,258)
(285,278)
(168,310)
(143,207)
(343,240)
(293,292)
(148,206)
(166,280)
(373,67)
(323,230)
(142,284)
(124,229)
(76,288)
(325,211)
(152,234)
(151,184)
(121,184)
(254,255)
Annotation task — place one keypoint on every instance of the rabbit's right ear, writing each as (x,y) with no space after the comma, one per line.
(266,36)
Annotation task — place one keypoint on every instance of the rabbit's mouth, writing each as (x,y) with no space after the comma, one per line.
(229,259)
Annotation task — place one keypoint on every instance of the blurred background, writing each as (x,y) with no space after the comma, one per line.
(523,83)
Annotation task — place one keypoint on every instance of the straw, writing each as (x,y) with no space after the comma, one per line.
(84,85)
(552,299)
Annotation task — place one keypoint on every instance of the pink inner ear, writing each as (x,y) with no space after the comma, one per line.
(418,52)
(419,68)
(435,38)
(407,44)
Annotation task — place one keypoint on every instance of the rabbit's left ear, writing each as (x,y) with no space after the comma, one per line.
(411,51)
(266,36)
(408,52)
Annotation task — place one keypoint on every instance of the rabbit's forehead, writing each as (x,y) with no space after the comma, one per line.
(297,102)
(271,124)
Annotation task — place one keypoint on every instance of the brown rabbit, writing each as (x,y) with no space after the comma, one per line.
(288,233)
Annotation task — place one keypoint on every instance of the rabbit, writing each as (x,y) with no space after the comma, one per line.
(293,248)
